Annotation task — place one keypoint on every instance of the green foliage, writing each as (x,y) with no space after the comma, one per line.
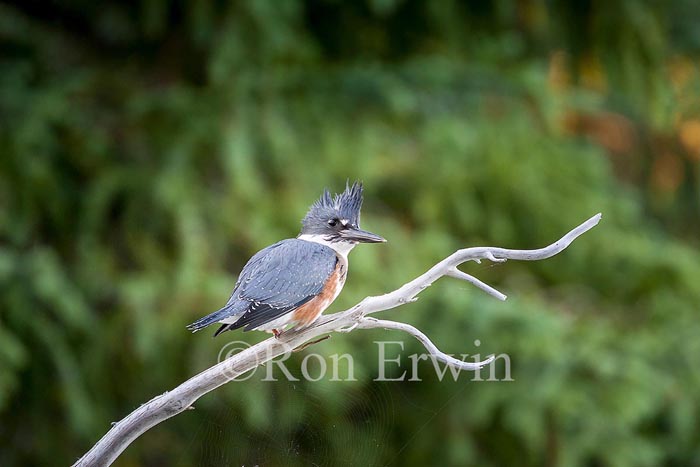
(148,149)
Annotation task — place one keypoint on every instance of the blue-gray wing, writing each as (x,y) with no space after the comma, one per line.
(275,281)
(286,274)
(281,278)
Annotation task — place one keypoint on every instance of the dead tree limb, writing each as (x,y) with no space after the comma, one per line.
(171,403)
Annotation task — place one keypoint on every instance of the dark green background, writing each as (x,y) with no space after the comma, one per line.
(147,149)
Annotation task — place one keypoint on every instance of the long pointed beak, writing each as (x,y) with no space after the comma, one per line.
(362,236)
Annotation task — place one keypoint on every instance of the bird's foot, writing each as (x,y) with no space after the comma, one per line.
(277,333)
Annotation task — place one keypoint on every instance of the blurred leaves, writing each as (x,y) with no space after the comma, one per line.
(149,148)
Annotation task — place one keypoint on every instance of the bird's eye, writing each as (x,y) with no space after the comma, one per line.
(333,222)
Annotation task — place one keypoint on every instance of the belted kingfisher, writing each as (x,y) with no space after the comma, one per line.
(289,284)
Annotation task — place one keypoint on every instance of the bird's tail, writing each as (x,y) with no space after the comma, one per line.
(212,318)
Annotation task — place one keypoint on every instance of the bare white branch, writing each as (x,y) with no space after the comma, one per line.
(457,274)
(182,397)
(373,323)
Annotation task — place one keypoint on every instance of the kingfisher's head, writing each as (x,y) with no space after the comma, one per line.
(337,218)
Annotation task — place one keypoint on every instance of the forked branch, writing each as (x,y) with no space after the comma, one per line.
(171,403)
